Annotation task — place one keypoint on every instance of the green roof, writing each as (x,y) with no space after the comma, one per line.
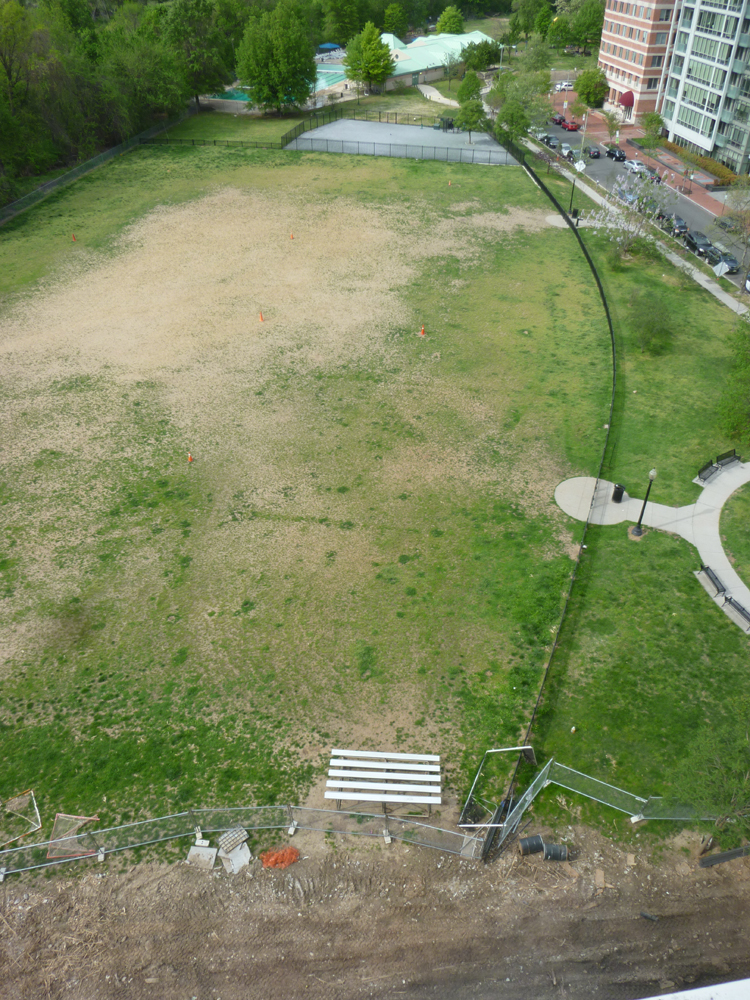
(428,52)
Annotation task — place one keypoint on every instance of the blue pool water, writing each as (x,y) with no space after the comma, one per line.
(327,77)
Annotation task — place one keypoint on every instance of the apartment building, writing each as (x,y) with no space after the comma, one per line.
(633,53)
(705,93)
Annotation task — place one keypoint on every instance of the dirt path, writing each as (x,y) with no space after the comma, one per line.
(364,920)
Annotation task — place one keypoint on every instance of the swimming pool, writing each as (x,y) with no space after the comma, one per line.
(326,77)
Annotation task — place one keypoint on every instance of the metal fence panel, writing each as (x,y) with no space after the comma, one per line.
(600,791)
(422,835)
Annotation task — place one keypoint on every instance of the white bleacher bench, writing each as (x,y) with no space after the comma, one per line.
(367,776)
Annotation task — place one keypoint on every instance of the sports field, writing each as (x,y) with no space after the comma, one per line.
(365,548)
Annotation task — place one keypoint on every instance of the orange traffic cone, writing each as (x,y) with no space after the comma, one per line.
(449,183)
(292,236)
(261,317)
(190,457)
(74,238)
(421,332)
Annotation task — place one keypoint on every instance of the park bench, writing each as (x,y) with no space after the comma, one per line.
(709,573)
(364,775)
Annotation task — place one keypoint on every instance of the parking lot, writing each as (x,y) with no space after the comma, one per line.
(609,174)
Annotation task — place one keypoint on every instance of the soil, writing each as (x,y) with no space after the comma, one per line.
(357,918)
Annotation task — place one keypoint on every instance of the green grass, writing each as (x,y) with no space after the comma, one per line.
(198,640)
(735,518)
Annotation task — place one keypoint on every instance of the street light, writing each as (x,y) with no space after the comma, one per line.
(638,530)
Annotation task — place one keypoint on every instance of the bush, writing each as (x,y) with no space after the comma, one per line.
(722,173)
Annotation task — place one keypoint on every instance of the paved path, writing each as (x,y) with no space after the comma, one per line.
(697,523)
(432,94)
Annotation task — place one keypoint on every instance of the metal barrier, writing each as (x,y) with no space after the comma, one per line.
(497,157)
(99,843)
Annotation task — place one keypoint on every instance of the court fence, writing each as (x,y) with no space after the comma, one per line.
(97,844)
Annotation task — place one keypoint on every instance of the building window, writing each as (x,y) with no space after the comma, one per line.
(668,110)
(660,38)
(664,15)
(656,61)
(652,83)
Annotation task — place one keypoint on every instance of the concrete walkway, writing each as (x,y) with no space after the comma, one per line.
(697,523)
(432,94)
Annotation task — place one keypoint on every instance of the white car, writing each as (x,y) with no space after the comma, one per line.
(563,86)
(635,167)
(565,150)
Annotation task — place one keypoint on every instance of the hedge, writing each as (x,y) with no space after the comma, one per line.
(723,174)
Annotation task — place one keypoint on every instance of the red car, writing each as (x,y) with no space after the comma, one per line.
(570,126)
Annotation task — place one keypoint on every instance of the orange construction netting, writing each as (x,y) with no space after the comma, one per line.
(282,857)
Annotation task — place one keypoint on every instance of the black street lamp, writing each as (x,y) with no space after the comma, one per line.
(638,530)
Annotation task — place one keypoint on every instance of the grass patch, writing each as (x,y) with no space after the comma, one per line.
(735,517)
(366,547)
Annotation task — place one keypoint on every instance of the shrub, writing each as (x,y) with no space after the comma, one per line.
(722,173)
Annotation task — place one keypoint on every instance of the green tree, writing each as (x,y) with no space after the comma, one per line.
(524,15)
(471,117)
(276,60)
(591,86)
(450,22)
(368,58)
(537,55)
(512,122)
(451,66)
(479,56)
(16,52)
(612,122)
(652,123)
(586,26)
(341,20)
(558,33)
(470,88)
(395,20)
(192,31)
(543,20)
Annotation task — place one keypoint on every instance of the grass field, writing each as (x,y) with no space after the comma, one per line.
(366,548)
(735,518)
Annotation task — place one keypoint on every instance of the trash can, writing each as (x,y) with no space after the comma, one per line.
(574,213)
(617,493)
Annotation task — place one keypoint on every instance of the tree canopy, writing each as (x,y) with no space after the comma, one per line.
(586,26)
(479,56)
(591,86)
(394,20)
(276,60)
(192,31)
(368,58)
(470,88)
(471,117)
(450,22)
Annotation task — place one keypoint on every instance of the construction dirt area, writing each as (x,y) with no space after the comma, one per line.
(356,918)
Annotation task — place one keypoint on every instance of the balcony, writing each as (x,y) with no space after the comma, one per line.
(672,92)
(738,66)
(733,92)
(680,47)
(727,115)
(744,41)
(721,140)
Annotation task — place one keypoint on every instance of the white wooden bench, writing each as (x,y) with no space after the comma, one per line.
(367,776)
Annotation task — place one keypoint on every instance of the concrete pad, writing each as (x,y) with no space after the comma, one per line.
(699,523)
(202,857)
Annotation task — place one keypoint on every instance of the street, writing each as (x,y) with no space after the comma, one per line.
(607,172)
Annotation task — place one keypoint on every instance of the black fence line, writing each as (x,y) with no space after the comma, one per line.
(520,156)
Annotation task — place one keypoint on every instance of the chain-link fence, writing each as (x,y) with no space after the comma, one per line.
(34,197)
(100,843)
(444,154)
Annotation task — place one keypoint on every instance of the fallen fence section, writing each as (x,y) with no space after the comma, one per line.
(634,806)
(97,844)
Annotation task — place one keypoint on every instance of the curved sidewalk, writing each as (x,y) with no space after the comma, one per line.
(697,523)
(433,94)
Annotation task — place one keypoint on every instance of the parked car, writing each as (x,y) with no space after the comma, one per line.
(565,150)
(559,87)
(635,166)
(592,152)
(717,254)
(616,153)
(570,126)
(627,196)
(747,282)
(537,133)
(653,173)
(671,223)
(728,225)
(552,141)
(697,242)
(557,118)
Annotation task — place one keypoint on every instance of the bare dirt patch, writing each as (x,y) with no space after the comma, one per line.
(359,919)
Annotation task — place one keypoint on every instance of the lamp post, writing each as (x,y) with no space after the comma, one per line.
(638,530)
